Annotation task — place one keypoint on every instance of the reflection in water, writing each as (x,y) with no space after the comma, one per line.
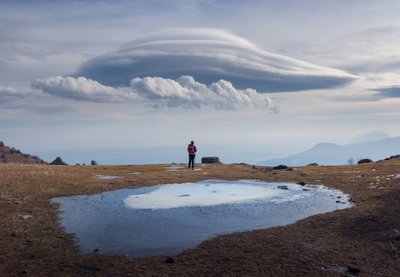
(170,218)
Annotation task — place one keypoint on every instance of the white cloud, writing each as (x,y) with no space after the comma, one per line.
(186,92)
(9,92)
(210,55)
(158,92)
(82,89)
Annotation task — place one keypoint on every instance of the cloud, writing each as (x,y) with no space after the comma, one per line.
(187,92)
(209,55)
(81,88)
(9,94)
(367,50)
(388,92)
(158,92)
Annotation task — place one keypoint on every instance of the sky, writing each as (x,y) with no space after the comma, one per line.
(134,81)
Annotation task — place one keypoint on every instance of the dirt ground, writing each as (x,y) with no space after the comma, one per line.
(361,241)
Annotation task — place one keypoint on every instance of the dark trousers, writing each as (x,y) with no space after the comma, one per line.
(191,160)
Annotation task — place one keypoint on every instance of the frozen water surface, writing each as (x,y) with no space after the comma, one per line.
(107,177)
(167,219)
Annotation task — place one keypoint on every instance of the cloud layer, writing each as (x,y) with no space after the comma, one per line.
(209,55)
(81,89)
(158,92)
(389,92)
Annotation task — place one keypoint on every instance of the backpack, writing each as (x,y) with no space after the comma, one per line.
(191,149)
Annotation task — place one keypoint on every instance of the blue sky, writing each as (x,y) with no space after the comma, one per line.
(262,78)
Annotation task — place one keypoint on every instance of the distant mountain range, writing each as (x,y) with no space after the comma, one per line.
(14,156)
(334,154)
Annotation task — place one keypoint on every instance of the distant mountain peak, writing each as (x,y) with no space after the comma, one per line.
(334,154)
(324,145)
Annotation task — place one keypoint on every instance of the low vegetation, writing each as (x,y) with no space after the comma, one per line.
(363,240)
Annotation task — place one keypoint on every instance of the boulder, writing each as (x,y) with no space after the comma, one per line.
(58,161)
(210,160)
(313,164)
(169,260)
(284,187)
(93,162)
(280,167)
(301,183)
(364,161)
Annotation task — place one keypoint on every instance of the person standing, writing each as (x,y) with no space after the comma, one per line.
(192,154)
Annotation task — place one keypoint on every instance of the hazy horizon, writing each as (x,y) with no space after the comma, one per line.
(165,154)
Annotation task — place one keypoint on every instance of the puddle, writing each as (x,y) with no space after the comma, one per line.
(135,173)
(107,177)
(168,219)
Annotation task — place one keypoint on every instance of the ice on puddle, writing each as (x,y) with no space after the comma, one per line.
(200,194)
(107,177)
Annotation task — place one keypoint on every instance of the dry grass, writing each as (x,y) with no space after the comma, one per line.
(365,237)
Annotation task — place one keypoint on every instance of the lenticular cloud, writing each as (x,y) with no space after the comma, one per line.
(209,55)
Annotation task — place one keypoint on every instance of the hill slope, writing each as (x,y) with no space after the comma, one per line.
(14,156)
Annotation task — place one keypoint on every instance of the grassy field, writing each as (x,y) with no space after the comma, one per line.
(363,240)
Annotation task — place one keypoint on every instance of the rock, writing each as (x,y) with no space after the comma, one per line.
(58,161)
(395,235)
(313,164)
(21,247)
(353,271)
(283,187)
(23,216)
(301,183)
(93,162)
(169,260)
(364,161)
(393,157)
(281,167)
(210,160)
